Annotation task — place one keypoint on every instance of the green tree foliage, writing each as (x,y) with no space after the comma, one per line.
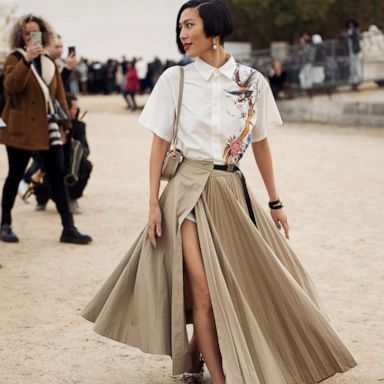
(366,12)
(263,21)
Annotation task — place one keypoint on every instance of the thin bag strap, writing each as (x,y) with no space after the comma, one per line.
(176,124)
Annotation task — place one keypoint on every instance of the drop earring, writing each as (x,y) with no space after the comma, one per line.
(214,46)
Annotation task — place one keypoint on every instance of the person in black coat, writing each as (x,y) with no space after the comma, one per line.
(42,190)
(78,133)
(353,36)
(277,78)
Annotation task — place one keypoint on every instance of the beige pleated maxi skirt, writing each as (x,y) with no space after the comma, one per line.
(270,326)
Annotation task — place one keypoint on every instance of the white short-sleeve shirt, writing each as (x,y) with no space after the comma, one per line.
(223,110)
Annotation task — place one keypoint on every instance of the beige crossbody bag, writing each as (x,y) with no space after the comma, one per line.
(174,156)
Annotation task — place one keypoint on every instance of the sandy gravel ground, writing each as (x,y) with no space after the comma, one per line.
(331,180)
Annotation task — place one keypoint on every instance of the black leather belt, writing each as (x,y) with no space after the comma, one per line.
(235,168)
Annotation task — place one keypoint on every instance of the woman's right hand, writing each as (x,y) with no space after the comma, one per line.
(34,49)
(71,61)
(154,224)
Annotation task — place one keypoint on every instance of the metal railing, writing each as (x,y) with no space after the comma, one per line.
(326,65)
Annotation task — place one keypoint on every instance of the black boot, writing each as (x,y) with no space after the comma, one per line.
(7,235)
(72,235)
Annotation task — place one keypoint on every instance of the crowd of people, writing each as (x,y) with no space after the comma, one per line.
(60,168)
(209,255)
(42,124)
(306,67)
(48,158)
(92,77)
(128,77)
(312,62)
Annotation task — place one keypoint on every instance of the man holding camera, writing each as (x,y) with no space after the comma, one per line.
(78,167)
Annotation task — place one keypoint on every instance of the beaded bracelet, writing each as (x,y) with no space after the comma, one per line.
(275,204)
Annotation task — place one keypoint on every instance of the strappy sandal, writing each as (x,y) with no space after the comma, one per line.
(192,378)
(195,378)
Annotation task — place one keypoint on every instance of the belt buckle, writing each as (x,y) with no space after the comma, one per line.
(230,168)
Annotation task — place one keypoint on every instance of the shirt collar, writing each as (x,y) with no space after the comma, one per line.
(206,70)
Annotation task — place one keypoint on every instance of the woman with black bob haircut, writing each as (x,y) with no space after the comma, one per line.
(216,16)
(210,255)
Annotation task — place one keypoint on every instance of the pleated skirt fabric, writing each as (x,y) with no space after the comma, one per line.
(270,325)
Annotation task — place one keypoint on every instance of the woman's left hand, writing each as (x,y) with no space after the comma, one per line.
(280,219)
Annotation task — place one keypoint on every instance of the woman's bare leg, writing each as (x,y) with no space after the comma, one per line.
(203,319)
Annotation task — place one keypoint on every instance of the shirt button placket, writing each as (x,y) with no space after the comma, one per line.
(216,115)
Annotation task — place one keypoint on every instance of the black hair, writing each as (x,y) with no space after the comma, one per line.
(352,21)
(217,19)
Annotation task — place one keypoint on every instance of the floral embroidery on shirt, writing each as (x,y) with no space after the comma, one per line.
(246,94)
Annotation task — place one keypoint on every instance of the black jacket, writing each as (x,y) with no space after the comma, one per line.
(78,132)
(65,75)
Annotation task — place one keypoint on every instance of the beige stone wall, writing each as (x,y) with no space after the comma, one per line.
(364,107)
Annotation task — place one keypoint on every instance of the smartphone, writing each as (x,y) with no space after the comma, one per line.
(72,51)
(37,36)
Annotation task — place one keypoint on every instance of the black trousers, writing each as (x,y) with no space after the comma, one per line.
(53,160)
(36,165)
(130,99)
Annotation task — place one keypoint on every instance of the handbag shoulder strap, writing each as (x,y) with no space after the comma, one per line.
(179,102)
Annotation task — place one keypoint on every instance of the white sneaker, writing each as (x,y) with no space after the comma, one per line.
(22,190)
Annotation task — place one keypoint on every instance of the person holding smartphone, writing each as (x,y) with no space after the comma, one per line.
(32,83)
(65,66)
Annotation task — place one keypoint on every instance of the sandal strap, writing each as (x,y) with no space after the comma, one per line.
(192,378)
